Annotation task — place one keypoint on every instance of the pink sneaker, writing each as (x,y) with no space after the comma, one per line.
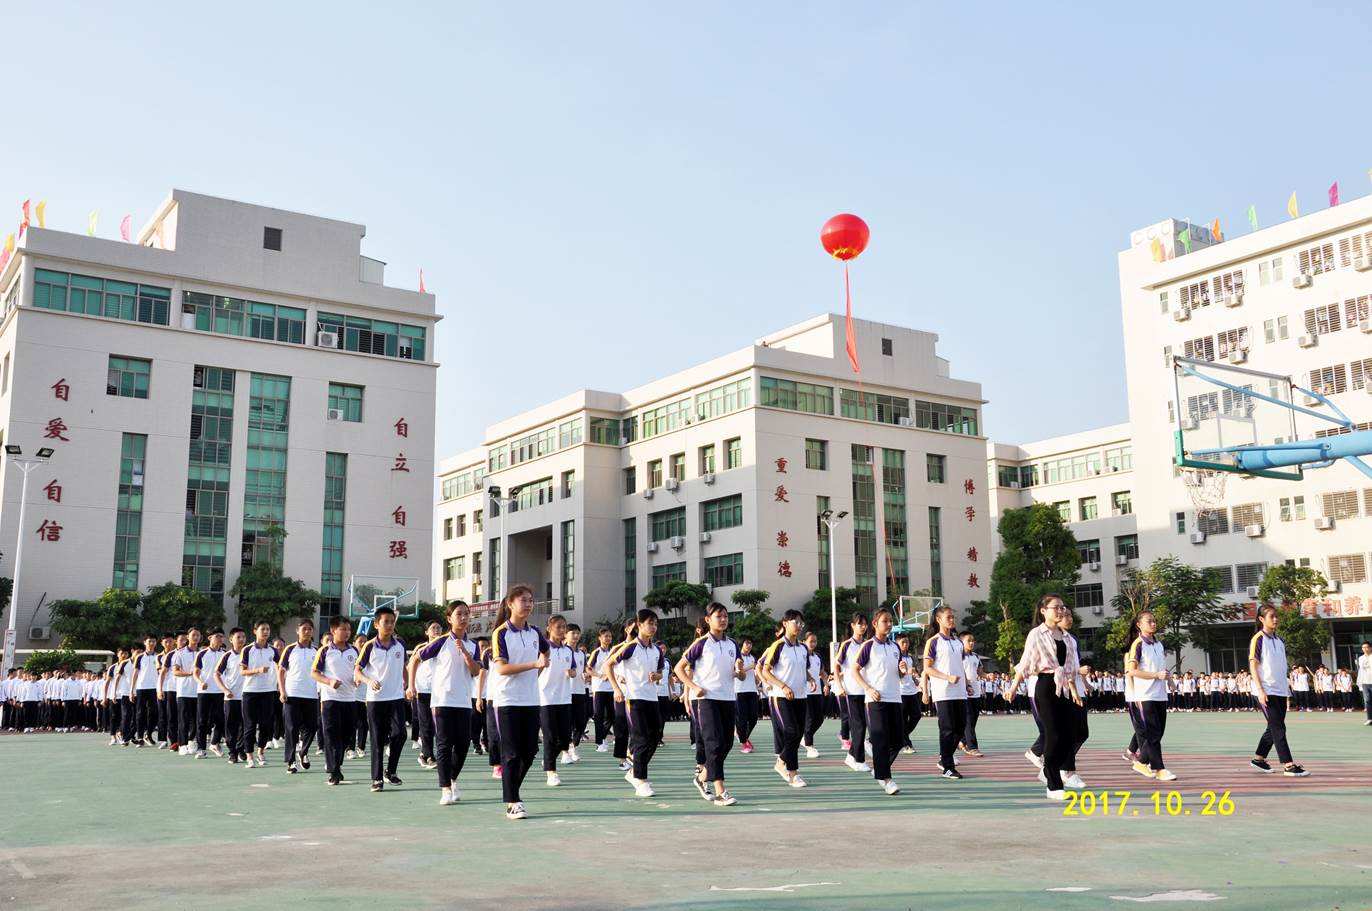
(496,772)
(847,745)
(747,746)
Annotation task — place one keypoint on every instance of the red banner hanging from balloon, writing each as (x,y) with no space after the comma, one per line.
(844,237)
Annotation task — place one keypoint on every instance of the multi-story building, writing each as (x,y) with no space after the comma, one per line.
(717,474)
(1291,299)
(1088,477)
(235,372)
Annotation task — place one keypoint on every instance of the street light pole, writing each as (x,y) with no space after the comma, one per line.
(502,503)
(831,520)
(25,465)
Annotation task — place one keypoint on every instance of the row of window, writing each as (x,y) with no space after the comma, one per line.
(370,336)
(456,526)
(1341,504)
(676,465)
(814,398)
(463,483)
(1066,468)
(1126,546)
(1334,378)
(1121,504)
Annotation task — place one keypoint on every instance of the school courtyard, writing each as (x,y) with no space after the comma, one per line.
(86,825)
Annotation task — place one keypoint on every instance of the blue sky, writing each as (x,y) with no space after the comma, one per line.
(600,194)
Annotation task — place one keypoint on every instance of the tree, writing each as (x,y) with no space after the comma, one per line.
(112,622)
(981,623)
(816,612)
(1305,637)
(750,597)
(59,659)
(264,593)
(1039,555)
(1185,601)
(411,631)
(1289,585)
(757,624)
(171,608)
(678,597)
(1010,635)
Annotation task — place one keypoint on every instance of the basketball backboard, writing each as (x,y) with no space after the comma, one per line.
(366,593)
(1220,405)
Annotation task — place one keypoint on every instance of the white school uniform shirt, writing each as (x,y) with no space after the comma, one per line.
(184,660)
(1300,682)
(847,655)
(749,682)
(1365,670)
(424,675)
(597,661)
(712,666)
(123,679)
(579,667)
(946,652)
(1150,656)
(297,659)
(514,645)
(880,663)
(664,689)
(971,672)
(909,682)
(789,664)
(338,663)
(230,667)
(453,683)
(254,656)
(385,663)
(205,662)
(554,686)
(1270,652)
(638,662)
(72,689)
(814,669)
(145,672)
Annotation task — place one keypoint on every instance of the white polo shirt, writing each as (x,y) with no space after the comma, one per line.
(297,659)
(254,656)
(971,672)
(385,663)
(145,672)
(946,654)
(554,686)
(338,663)
(789,664)
(205,662)
(230,668)
(847,654)
(712,663)
(814,669)
(515,645)
(909,681)
(184,660)
(1365,670)
(578,682)
(1270,652)
(453,683)
(1149,656)
(637,662)
(424,675)
(880,663)
(597,661)
(749,682)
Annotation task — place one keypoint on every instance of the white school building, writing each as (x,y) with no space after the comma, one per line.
(234,370)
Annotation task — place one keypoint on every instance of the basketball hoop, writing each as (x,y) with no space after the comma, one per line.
(1205,487)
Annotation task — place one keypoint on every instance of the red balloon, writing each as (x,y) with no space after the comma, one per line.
(844,236)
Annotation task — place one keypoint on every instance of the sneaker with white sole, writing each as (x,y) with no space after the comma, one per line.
(214,748)
(908,751)
(724,799)
(1055,795)
(747,747)
(457,794)
(1166,775)
(890,787)
(703,787)
(1295,771)
(1261,765)
(796,781)
(199,754)
(554,780)
(1074,782)
(643,789)
(625,765)
(780,768)
(1035,761)
(1144,770)
(445,798)
(516,811)
(602,748)
(812,753)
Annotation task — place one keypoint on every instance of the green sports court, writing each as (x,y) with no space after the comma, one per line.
(90,825)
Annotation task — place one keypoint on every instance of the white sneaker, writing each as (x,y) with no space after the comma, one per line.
(516,811)
(625,765)
(605,747)
(445,798)
(890,786)
(1165,775)
(1043,779)
(908,751)
(214,748)
(184,751)
(643,789)
(812,753)
(1035,761)
(554,780)
(1074,782)
(797,782)
(457,793)
(162,745)
(573,755)
(1056,795)
(780,768)
(853,764)
(422,763)
(199,754)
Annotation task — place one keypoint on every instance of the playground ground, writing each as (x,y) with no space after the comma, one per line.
(85,825)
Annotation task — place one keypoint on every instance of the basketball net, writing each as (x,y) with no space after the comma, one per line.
(1205,487)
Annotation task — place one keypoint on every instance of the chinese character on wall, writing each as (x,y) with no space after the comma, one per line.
(970,512)
(398,516)
(402,429)
(783,539)
(55,429)
(780,496)
(784,568)
(968,486)
(61,390)
(972,554)
(53,490)
(49,531)
(781,465)
(400,549)
(972,581)
(401,463)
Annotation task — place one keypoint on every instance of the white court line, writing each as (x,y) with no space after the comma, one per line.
(19,867)
(787,888)
(1183,895)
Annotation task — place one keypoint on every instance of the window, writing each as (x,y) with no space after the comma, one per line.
(1071,468)
(817,454)
(935,552)
(1028,475)
(671,572)
(128,522)
(128,376)
(654,474)
(1247,574)
(1180,519)
(630,564)
(821,506)
(531,446)
(935,468)
(207,481)
(1086,508)
(630,480)
(264,490)
(1121,503)
(331,555)
(1119,459)
(864,526)
(1348,568)
(724,399)
(949,418)
(1227,283)
(1354,248)
(1362,373)
(605,431)
(568,482)
(1089,551)
(569,433)
(447,529)
(271,239)
(1064,508)
(707,459)
(369,336)
(535,493)
(460,528)
(886,347)
(1230,340)
(1213,523)
(1323,320)
(1316,259)
(101,297)
(1089,595)
(1247,514)
(5,376)
(452,568)
(677,465)
(1221,576)
(1329,380)
(463,483)
(1341,505)
(1127,546)
(664,418)
(725,570)
(1269,271)
(346,400)
(1195,295)
(235,316)
(1200,349)
(733,453)
(1285,510)
(870,406)
(1355,310)
(568,586)
(1006,476)
(725,512)
(669,523)
(1303,563)
(807,397)
(1162,302)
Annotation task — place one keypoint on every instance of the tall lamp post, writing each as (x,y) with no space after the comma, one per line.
(26,465)
(502,504)
(831,520)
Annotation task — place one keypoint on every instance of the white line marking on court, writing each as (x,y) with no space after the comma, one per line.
(275,837)
(787,888)
(1181,895)
(1070,889)
(235,814)
(259,785)
(19,867)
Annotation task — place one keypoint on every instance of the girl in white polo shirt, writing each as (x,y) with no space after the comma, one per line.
(814,696)
(878,668)
(854,696)
(454,664)
(602,693)
(333,671)
(1267,665)
(947,688)
(643,663)
(555,698)
(708,668)
(745,694)
(420,695)
(518,652)
(1145,664)
(785,668)
(909,694)
(381,668)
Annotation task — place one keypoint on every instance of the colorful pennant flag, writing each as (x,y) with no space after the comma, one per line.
(91,221)
(1291,208)
(41,210)
(9,244)
(126,227)
(421,282)
(1215,230)
(1185,238)
(1334,193)
(1253,217)
(24,222)
(1158,254)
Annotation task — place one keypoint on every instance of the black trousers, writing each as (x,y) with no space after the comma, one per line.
(185,710)
(1275,734)
(424,721)
(360,725)
(166,718)
(715,721)
(746,716)
(233,727)
(257,720)
(1058,723)
(581,713)
(452,737)
(209,719)
(844,732)
(1080,735)
(1153,722)
(603,712)
(302,723)
(885,726)
(664,707)
(788,724)
(644,724)
(814,717)
(969,730)
(492,735)
(386,721)
(145,709)
(621,730)
(518,730)
(336,718)
(126,717)
(477,734)
(952,720)
(555,722)
(909,712)
(857,727)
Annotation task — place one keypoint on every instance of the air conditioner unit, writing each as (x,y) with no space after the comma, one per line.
(647,493)
(1302,281)
(704,537)
(1182,315)
(1094,566)
(708,477)
(40,633)
(1310,399)
(1336,585)
(1238,356)
(1362,263)
(1251,591)
(1254,531)
(1324,523)
(678,542)
(324,339)
(1197,537)
(1188,424)
(906,422)
(1308,341)
(1232,300)
(334,414)
(652,547)
(1121,559)
(1098,610)
(1366,326)
(672,484)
